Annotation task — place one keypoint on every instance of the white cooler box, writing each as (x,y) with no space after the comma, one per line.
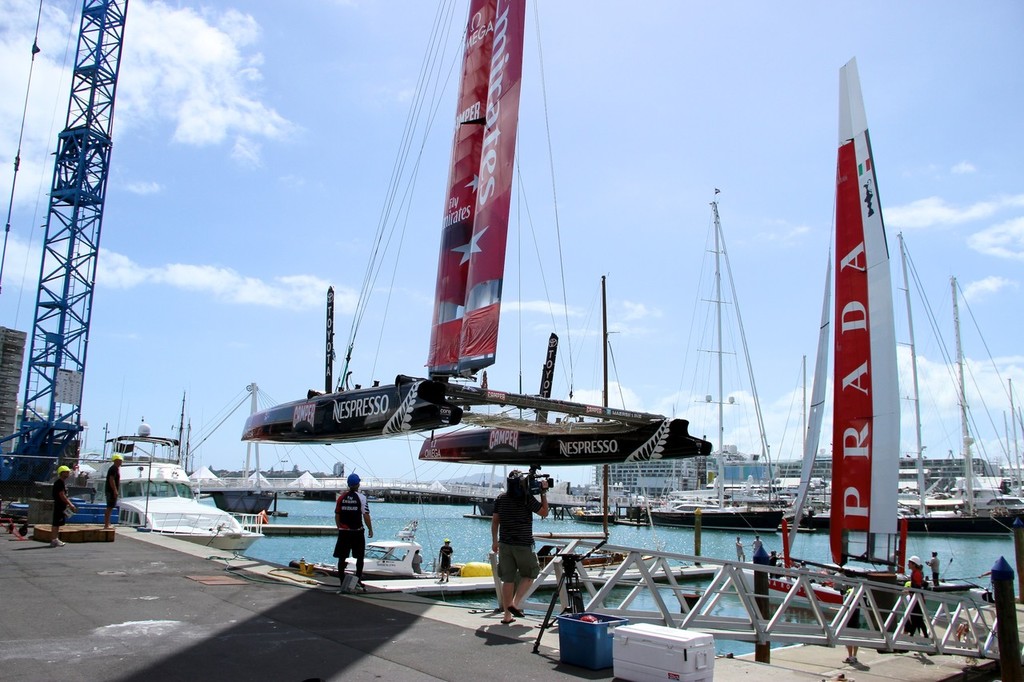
(645,652)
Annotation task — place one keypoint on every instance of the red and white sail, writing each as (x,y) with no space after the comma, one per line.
(471,266)
(866,436)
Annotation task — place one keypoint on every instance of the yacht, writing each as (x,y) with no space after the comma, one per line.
(157,495)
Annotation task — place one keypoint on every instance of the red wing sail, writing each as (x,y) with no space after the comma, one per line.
(865,438)
(460,204)
(490,226)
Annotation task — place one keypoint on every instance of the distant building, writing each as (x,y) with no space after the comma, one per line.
(338,470)
(12,357)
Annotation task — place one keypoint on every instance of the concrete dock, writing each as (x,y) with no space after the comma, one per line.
(149,608)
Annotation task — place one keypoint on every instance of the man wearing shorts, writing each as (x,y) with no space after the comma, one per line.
(512,539)
(352,516)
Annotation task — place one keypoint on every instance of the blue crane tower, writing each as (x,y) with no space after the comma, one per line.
(51,413)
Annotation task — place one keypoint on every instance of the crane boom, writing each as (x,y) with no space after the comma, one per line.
(51,409)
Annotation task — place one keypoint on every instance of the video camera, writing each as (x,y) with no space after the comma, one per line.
(522,484)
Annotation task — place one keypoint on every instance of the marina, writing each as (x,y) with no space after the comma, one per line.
(687,529)
(278,625)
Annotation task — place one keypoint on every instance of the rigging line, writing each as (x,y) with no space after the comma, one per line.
(765,450)
(522,197)
(615,368)
(375,261)
(407,201)
(21,137)
(42,192)
(554,190)
(995,368)
(947,358)
(245,399)
(692,327)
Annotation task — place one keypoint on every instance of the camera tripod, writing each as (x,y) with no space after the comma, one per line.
(570,580)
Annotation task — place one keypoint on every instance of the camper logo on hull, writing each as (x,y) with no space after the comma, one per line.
(505,438)
(302,416)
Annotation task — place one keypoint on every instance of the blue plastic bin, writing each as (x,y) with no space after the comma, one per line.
(587,645)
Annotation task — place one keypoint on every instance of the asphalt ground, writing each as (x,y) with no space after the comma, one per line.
(155,609)
(148,609)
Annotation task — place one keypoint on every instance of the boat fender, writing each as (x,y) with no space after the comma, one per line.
(476,569)
(262,517)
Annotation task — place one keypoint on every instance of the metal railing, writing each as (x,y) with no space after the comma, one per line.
(805,607)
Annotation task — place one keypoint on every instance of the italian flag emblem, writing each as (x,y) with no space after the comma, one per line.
(863,168)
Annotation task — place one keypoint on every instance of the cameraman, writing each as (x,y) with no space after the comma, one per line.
(512,539)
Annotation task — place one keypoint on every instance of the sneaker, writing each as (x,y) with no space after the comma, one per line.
(56,543)
(855,661)
(849,659)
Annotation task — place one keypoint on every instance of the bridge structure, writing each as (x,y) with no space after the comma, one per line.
(727,607)
(390,490)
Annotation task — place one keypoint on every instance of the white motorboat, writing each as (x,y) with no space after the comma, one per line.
(391,558)
(157,496)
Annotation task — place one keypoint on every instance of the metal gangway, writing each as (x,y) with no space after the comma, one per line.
(805,606)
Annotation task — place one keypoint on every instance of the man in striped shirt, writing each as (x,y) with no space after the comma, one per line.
(512,540)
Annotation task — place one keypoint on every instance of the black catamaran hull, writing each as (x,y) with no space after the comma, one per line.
(659,440)
(406,406)
(767,520)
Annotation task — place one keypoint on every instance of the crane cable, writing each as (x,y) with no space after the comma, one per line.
(21,136)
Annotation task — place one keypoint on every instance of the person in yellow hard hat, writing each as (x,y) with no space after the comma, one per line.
(112,487)
(61,504)
(445,560)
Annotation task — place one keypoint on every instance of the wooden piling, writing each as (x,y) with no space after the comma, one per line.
(1006,626)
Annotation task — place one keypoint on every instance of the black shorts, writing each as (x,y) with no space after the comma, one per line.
(349,542)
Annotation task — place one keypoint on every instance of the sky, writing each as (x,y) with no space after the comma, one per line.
(255,146)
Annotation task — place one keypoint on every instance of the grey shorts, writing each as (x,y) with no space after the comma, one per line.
(516,562)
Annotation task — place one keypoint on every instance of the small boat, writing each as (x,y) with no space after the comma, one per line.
(588,515)
(157,496)
(383,559)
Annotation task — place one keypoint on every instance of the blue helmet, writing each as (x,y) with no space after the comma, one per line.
(353,480)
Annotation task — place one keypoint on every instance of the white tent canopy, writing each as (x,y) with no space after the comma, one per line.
(258,479)
(306,480)
(205,477)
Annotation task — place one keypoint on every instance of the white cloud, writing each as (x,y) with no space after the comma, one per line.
(545,307)
(963,168)
(200,72)
(142,187)
(224,284)
(935,211)
(976,291)
(638,311)
(1005,240)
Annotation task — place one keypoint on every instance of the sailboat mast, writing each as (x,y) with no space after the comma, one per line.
(720,480)
(181,436)
(1013,423)
(965,434)
(913,373)
(604,397)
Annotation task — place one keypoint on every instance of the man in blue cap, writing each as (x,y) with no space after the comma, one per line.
(351,514)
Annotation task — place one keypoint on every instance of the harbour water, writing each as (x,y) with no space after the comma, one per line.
(962,558)
(965,558)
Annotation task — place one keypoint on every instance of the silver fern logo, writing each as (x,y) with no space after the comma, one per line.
(401,420)
(654,446)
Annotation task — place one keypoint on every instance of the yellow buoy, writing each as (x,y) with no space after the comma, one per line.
(476,569)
